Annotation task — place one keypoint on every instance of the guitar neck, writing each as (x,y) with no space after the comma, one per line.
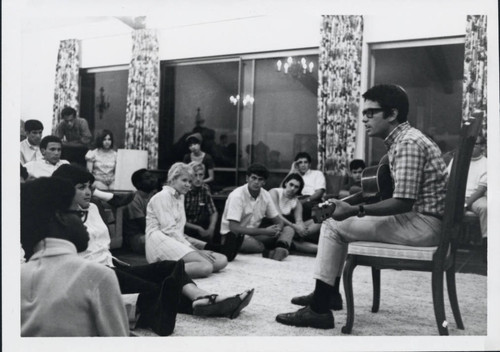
(355,198)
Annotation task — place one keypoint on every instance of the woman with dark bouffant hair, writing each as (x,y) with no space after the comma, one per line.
(101,162)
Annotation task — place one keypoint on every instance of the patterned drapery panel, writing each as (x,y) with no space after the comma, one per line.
(339,93)
(141,122)
(475,69)
(66,84)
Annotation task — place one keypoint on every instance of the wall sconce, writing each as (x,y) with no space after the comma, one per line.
(103,102)
(295,67)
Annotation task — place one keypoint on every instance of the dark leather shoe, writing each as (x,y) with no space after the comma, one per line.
(306,317)
(120,200)
(335,301)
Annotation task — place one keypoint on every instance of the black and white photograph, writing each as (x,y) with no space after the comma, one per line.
(250,175)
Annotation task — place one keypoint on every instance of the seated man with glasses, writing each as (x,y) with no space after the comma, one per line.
(411,217)
(245,209)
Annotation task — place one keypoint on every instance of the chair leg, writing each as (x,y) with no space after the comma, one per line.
(376,289)
(347,280)
(452,294)
(438,300)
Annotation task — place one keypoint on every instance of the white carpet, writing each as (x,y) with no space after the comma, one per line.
(405,307)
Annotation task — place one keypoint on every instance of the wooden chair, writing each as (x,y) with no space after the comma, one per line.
(437,260)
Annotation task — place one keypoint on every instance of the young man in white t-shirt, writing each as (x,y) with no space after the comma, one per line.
(245,209)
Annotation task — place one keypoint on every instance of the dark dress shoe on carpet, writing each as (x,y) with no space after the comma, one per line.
(306,317)
(120,200)
(335,301)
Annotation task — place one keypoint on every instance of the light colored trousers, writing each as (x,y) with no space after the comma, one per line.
(411,229)
(479,207)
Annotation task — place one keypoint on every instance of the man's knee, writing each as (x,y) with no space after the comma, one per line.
(251,245)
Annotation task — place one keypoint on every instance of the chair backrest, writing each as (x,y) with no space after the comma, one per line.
(455,193)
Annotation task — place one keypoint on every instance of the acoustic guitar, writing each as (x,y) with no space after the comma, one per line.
(376,185)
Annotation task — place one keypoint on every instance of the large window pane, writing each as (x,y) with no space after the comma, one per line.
(284,114)
(196,99)
(432,77)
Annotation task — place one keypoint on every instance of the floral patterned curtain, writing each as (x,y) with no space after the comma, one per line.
(339,92)
(141,122)
(475,69)
(67,71)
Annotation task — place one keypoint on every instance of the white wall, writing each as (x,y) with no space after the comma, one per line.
(225,37)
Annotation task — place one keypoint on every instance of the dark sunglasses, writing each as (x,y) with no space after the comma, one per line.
(370,112)
(82,214)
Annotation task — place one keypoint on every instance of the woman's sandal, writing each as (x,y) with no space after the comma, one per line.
(229,307)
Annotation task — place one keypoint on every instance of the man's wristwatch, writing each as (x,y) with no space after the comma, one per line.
(361,211)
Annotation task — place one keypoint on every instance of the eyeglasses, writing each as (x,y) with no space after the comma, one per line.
(369,112)
(82,214)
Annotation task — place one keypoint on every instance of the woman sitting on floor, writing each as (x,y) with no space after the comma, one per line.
(290,211)
(164,287)
(165,221)
(61,293)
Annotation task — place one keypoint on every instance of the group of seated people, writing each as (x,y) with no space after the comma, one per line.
(66,244)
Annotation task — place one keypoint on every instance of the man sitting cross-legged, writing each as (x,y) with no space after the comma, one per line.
(201,217)
(134,216)
(411,217)
(50,147)
(63,294)
(164,287)
(245,209)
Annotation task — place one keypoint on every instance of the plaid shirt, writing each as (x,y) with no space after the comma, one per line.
(417,168)
(198,202)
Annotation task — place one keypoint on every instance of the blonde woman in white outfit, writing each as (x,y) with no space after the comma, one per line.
(165,220)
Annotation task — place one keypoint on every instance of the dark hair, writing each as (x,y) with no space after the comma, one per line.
(24,173)
(49,139)
(68,111)
(294,176)
(259,170)
(303,155)
(100,138)
(40,199)
(389,97)
(33,125)
(74,173)
(137,177)
(356,164)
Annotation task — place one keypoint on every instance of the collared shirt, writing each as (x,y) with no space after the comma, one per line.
(64,295)
(29,152)
(417,168)
(313,180)
(197,202)
(79,132)
(247,210)
(103,164)
(165,213)
(98,249)
(42,168)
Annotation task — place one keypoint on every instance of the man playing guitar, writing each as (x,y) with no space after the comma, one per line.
(411,217)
